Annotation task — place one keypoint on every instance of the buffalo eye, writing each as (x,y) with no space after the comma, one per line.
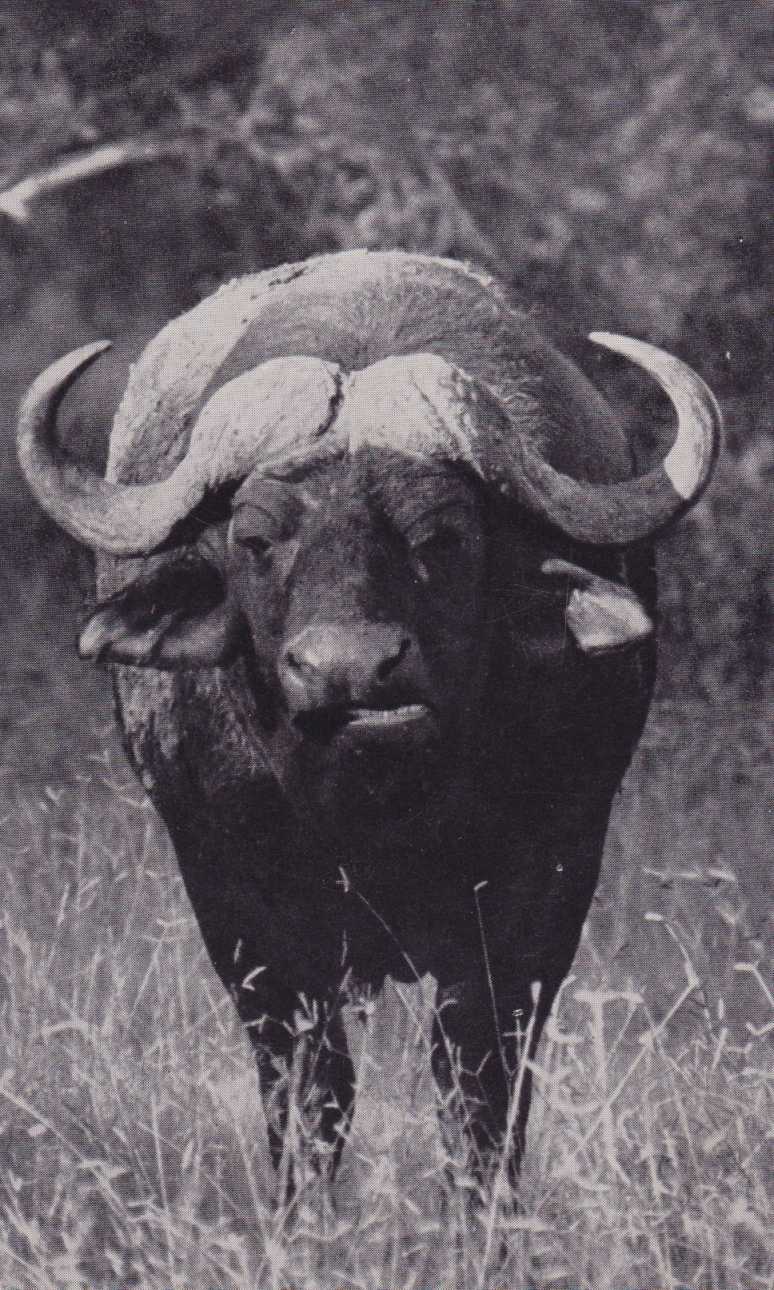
(265,512)
(255,531)
(256,544)
(432,554)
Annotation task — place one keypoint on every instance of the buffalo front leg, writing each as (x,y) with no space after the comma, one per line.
(304,1068)
(480,1042)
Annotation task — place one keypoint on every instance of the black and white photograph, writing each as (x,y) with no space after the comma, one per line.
(386,451)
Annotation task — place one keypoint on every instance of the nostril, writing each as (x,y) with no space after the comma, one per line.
(388,665)
(292,662)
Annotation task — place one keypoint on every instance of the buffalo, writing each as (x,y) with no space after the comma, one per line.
(375,576)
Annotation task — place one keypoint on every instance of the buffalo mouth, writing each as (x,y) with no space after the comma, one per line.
(326,723)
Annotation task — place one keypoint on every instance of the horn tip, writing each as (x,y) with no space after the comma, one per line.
(56,380)
(87,353)
(610,340)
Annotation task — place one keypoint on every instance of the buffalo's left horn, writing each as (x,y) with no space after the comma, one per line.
(617,514)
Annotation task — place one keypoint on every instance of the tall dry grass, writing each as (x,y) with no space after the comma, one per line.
(134,1148)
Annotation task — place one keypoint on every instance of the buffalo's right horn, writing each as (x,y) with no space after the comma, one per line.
(118,518)
(282,401)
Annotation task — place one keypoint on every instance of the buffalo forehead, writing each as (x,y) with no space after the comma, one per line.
(374,478)
(352,309)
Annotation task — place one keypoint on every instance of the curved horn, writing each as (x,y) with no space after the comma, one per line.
(617,514)
(117,518)
(236,425)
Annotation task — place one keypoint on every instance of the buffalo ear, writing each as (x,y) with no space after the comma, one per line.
(177,616)
(603,616)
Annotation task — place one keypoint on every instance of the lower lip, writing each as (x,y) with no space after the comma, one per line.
(385,718)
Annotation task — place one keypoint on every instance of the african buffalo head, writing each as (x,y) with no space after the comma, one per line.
(333,528)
